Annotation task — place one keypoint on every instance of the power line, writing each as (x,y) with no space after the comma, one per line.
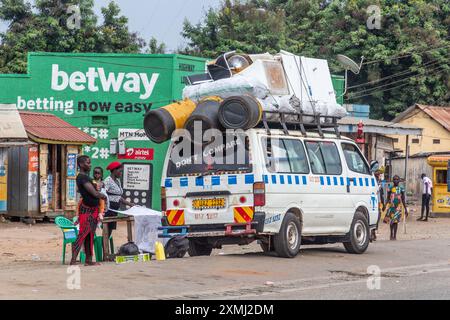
(397,81)
(150,19)
(124,64)
(405,72)
(377,91)
(404,55)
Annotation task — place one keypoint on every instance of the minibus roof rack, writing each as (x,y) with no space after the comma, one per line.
(295,121)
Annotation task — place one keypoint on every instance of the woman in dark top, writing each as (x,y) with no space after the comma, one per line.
(114,191)
(87,211)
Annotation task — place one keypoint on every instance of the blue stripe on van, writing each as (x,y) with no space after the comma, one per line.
(329,181)
(232,179)
(367,182)
(342,181)
(335,181)
(215,181)
(304,180)
(361,182)
(355,182)
(249,179)
(168,183)
(184,182)
(199,181)
(297,180)
(289,179)
(266,179)
(322,182)
(281,179)
(274,179)
(373,182)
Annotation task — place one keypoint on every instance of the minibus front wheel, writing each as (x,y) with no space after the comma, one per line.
(359,234)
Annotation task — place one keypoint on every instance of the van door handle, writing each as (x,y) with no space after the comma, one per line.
(348,184)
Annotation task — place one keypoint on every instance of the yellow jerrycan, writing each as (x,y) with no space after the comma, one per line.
(159,251)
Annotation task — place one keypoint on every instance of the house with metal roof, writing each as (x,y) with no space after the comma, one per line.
(435,124)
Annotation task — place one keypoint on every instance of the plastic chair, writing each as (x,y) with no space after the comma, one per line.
(70,234)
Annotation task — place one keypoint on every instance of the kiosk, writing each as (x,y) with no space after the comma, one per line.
(441,194)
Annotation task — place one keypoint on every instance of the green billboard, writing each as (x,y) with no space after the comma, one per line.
(105,95)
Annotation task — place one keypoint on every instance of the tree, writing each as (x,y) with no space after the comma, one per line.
(155,48)
(407,60)
(49,28)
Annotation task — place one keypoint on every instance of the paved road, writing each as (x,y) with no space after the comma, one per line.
(415,269)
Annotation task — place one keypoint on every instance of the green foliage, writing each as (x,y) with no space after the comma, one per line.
(407,59)
(46,29)
(155,48)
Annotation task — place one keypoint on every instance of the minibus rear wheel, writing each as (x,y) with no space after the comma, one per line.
(287,241)
(199,247)
(359,234)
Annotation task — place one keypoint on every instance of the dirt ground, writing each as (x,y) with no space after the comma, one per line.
(42,242)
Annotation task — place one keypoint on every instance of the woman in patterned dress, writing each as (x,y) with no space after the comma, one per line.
(395,201)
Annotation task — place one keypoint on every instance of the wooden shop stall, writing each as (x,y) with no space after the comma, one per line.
(42,175)
(12,134)
(441,195)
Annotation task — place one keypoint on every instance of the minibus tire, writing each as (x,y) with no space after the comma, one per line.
(355,245)
(281,242)
(198,248)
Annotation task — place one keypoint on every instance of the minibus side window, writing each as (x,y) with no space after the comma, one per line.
(355,160)
(332,159)
(285,155)
(315,157)
(297,156)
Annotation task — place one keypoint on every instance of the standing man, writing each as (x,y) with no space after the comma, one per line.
(426,196)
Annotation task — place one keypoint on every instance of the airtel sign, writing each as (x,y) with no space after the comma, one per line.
(137,154)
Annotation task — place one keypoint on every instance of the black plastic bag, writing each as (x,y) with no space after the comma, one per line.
(177,247)
(128,249)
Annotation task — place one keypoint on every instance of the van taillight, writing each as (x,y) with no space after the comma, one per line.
(163,199)
(259,194)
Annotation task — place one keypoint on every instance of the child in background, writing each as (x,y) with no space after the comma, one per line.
(98,182)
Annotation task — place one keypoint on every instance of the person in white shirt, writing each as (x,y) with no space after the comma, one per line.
(426,196)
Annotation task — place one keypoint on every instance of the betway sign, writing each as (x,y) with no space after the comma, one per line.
(96,79)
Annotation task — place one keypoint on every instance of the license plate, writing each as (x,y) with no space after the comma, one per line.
(216,203)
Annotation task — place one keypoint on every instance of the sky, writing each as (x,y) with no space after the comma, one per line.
(162,19)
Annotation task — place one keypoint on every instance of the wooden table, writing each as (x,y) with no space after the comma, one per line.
(107,256)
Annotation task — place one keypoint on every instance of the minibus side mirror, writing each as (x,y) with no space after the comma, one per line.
(374,166)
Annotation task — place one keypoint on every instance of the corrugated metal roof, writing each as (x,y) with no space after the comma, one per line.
(440,114)
(349,124)
(46,126)
(11,126)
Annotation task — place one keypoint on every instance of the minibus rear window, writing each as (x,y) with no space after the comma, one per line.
(229,155)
